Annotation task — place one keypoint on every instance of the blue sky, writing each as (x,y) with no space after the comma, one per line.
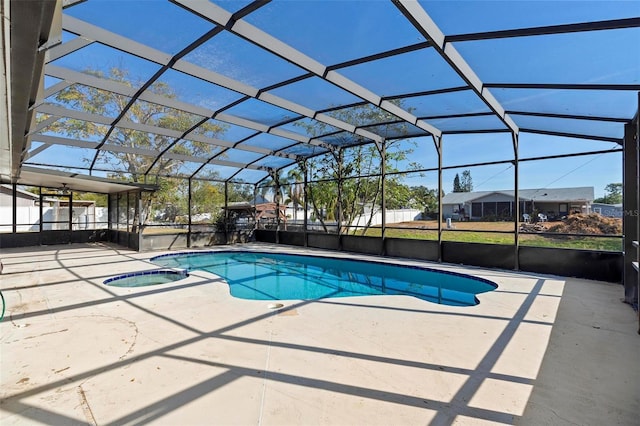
(333,31)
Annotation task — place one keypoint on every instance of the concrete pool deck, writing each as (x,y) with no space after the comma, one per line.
(539,350)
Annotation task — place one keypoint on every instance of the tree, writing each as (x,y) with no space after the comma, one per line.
(613,194)
(206,197)
(124,162)
(100,199)
(239,192)
(456,184)
(466,182)
(424,199)
(346,182)
(398,195)
(295,193)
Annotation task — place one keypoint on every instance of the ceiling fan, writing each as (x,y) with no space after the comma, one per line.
(65,190)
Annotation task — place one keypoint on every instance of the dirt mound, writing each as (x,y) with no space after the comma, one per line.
(592,223)
(532,228)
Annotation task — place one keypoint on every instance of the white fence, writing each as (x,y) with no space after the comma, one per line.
(392,216)
(53,218)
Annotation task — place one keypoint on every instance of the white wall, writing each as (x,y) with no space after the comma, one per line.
(28,218)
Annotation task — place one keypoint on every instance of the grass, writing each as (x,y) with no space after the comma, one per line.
(427,230)
(163,230)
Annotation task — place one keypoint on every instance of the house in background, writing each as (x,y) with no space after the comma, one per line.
(23,198)
(499,205)
(607,210)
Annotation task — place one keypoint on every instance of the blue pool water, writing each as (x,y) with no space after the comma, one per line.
(267,276)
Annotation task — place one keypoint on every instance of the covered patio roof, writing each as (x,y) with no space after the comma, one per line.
(232,90)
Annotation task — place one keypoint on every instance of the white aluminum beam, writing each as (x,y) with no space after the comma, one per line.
(62,112)
(367,134)
(129,150)
(291,135)
(215,78)
(343,82)
(43,124)
(57,140)
(207,10)
(146,128)
(97,34)
(288,105)
(71,76)
(91,32)
(414,11)
(260,38)
(105,37)
(278,47)
(236,86)
(239,121)
(52,90)
(61,50)
(183,157)
(243,147)
(36,151)
(172,156)
(334,122)
(125,90)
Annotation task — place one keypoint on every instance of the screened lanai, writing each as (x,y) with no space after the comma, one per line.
(495,141)
(356,121)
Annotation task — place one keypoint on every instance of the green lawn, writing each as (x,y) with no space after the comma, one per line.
(588,243)
(531,240)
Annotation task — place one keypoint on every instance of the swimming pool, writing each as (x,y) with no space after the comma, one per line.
(269,276)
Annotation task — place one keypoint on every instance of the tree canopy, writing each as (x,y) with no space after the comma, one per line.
(613,194)
(124,160)
(464,183)
(346,182)
(121,155)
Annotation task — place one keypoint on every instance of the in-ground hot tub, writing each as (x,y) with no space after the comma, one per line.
(146,278)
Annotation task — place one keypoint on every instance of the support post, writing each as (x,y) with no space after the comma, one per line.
(438,142)
(630,212)
(189,213)
(253,208)
(516,200)
(637,256)
(14,208)
(139,219)
(276,179)
(128,221)
(226,212)
(339,164)
(40,227)
(109,214)
(383,204)
(305,202)
(70,220)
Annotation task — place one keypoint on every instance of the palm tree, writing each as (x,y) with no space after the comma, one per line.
(296,190)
